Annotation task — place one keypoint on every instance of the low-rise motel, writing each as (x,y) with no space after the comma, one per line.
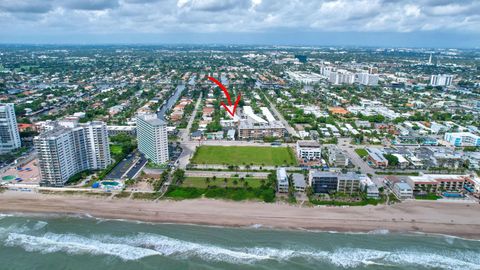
(439,182)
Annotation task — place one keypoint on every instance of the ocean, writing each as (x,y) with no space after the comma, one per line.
(59,242)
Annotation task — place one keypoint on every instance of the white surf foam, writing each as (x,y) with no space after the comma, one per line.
(40,225)
(173,247)
(466,260)
(141,245)
(74,244)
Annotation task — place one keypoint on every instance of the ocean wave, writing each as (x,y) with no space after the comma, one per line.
(2,215)
(379,231)
(465,260)
(255,226)
(140,245)
(74,244)
(39,225)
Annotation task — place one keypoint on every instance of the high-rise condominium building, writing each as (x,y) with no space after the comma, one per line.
(367,79)
(9,136)
(441,80)
(152,138)
(341,77)
(69,148)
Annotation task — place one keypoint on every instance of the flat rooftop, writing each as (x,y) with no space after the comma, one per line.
(308,143)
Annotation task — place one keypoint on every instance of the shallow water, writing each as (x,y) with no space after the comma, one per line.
(54,242)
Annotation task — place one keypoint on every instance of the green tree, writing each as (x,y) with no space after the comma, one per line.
(392,160)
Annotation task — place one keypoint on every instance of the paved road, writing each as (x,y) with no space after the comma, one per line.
(289,128)
(345,146)
(186,132)
(188,148)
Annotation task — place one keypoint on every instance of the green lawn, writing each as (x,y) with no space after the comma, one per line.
(237,194)
(244,155)
(361,152)
(116,149)
(429,196)
(199,182)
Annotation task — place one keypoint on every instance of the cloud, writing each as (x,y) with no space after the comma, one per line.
(91,4)
(238,16)
(30,6)
(213,5)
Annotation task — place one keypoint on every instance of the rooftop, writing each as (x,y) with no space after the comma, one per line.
(308,143)
(299,180)
(403,186)
(152,119)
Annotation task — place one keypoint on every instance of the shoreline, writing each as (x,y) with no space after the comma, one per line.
(440,218)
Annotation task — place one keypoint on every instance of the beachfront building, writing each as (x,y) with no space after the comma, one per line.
(462,139)
(348,183)
(472,184)
(369,187)
(323,182)
(329,182)
(152,138)
(299,182)
(282,180)
(68,148)
(402,190)
(433,183)
(308,150)
(9,136)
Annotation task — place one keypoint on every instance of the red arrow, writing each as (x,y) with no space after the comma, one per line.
(225,91)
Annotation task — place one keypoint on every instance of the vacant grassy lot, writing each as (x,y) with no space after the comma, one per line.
(361,152)
(202,182)
(244,155)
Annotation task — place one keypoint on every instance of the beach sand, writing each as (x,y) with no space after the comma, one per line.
(457,219)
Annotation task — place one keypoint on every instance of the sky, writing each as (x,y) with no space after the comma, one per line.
(402,23)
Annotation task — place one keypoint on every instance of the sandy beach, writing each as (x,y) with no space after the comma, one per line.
(458,219)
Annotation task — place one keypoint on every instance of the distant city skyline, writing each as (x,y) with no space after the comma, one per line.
(423,23)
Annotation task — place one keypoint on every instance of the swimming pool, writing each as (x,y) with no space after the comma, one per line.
(8,177)
(110,183)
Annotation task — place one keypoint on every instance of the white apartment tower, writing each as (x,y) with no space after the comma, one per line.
(66,150)
(441,80)
(9,136)
(367,79)
(152,138)
(341,77)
